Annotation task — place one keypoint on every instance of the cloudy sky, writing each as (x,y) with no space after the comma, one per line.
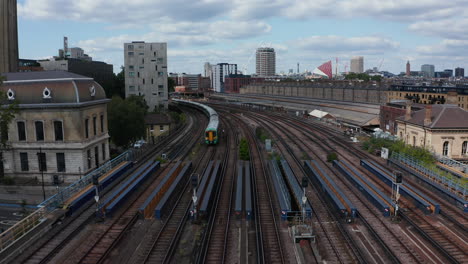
(385,32)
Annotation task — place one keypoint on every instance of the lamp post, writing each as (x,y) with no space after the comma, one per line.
(41,168)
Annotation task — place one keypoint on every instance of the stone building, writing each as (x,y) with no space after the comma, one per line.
(156,125)
(442,129)
(61,128)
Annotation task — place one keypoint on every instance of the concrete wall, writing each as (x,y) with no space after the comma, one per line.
(341,91)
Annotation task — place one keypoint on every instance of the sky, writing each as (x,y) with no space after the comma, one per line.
(387,33)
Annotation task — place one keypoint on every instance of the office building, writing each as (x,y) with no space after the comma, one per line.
(9,39)
(459,72)
(265,62)
(190,81)
(428,70)
(234,82)
(408,69)
(146,72)
(101,72)
(448,72)
(61,130)
(219,72)
(357,64)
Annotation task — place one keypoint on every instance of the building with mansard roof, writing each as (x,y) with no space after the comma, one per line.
(60,131)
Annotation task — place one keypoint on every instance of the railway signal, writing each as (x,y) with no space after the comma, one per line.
(396,191)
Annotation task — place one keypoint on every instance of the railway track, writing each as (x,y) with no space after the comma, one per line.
(58,238)
(328,226)
(451,246)
(269,240)
(214,249)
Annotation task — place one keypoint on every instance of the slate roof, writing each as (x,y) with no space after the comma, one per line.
(65,87)
(443,116)
(41,75)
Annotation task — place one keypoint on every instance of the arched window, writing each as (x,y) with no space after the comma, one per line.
(464,147)
(414,141)
(445,148)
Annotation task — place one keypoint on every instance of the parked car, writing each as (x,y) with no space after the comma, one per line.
(139,143)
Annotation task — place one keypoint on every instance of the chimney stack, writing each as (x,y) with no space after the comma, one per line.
(408,111)
(427,118)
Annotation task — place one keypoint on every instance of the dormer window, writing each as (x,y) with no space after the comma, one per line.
(46,93)
(92,91)
(11,94)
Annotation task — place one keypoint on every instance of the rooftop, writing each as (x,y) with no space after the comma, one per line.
(41,75)
(442,116)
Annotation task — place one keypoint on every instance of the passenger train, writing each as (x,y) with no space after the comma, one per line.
(211,131)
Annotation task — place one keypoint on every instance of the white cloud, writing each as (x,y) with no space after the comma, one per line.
(447,48)
(446,28)
(354,45)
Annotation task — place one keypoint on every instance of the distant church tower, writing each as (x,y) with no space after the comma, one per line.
(9,36)
(408,69)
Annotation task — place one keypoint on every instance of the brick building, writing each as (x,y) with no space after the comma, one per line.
(233,82)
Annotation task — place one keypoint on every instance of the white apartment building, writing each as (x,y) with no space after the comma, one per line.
(219,72)
(146,72)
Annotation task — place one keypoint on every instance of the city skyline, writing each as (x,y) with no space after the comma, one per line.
(426,32)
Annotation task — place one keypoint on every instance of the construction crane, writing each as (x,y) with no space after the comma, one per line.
(380,64)
(261,44)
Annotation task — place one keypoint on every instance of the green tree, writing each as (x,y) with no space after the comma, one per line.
(126,121)
(140,101)
(170,84)
(8,110)
(119,84)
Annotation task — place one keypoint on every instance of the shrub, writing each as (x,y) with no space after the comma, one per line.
(332,156)
(244,149)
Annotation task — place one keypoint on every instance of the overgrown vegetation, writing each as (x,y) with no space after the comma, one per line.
(421,154)
(262,134)
(244,149)
(363,76)
(332,156)
(177,117)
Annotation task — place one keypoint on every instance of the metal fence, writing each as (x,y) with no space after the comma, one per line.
(451,181)
(17,231)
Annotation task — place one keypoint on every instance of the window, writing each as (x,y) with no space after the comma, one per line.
(160,73)
(103,151)
(130,53)
(88,155)
(414,141)
(445,148)
(154,54)
(156,67)
(141,67)
(142,60)
(131,88)
(87,128)
(152,127)
(24,161)
(39,130)
(96,156)
(464,148)
(94,125)
(58,129)
(131,67)
(160,87)
(42,161)
(138,74)
(60,162)
(160,60)
(131,74)
(152,81)
(143,80)
(130,47)
(21,130)
(141,53)
(161,128)
(102,123)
